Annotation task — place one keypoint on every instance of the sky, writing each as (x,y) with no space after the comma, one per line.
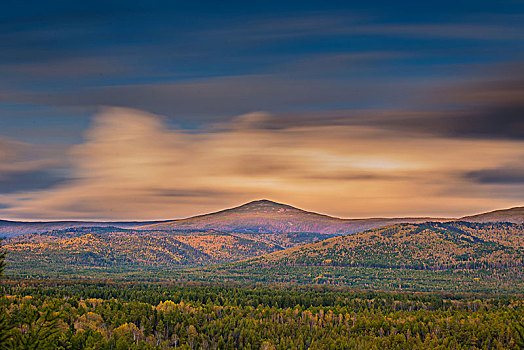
(131,110)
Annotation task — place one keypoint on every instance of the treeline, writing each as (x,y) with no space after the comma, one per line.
(88,315)
(469,264)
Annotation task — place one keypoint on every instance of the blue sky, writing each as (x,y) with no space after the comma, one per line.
(440,70)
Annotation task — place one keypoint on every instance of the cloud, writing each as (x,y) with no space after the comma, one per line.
(349,25)
(16,181)
(20,157)
(225,67)
(215,96)
(471,31)
(367,115)
(66,68)
(488,122)
(508,175)
(131,166)
(488,106)
(26,167)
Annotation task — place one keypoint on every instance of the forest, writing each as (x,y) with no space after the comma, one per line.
(452,256)
(89,314)
(54,314)
(466,294)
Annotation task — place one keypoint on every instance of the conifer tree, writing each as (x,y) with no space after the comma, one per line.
(6,329)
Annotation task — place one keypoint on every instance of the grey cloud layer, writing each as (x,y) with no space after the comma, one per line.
(506,175)
(28,167)
(481,106)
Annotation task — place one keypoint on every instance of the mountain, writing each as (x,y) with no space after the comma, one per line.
(515,215)
(127,249)
(261,216)
(264,216)
(430,245)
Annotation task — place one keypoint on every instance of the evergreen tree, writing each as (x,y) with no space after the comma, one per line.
(2,260)
(519,330)
(6,329)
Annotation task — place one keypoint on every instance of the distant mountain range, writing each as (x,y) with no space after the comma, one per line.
(271,235)
(262,216)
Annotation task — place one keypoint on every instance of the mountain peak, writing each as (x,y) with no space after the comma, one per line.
(264,205)
(263,202)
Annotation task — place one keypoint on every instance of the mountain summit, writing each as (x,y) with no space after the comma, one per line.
(265,206)
(268,207)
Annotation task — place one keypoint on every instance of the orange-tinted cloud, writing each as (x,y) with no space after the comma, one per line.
(131,166)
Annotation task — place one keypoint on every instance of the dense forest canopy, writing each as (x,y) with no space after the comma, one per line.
(105,315)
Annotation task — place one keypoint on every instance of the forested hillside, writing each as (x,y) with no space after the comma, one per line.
(415,246)
(454,257)
(119,250)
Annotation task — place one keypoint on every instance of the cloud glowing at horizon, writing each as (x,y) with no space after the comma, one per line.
(131,165)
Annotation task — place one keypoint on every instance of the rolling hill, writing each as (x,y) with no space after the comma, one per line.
(515,215)
(446,257)
(106,248)
(429,245)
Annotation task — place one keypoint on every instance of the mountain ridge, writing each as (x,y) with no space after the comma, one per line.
(258,216)
(10,228)
(514,214)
